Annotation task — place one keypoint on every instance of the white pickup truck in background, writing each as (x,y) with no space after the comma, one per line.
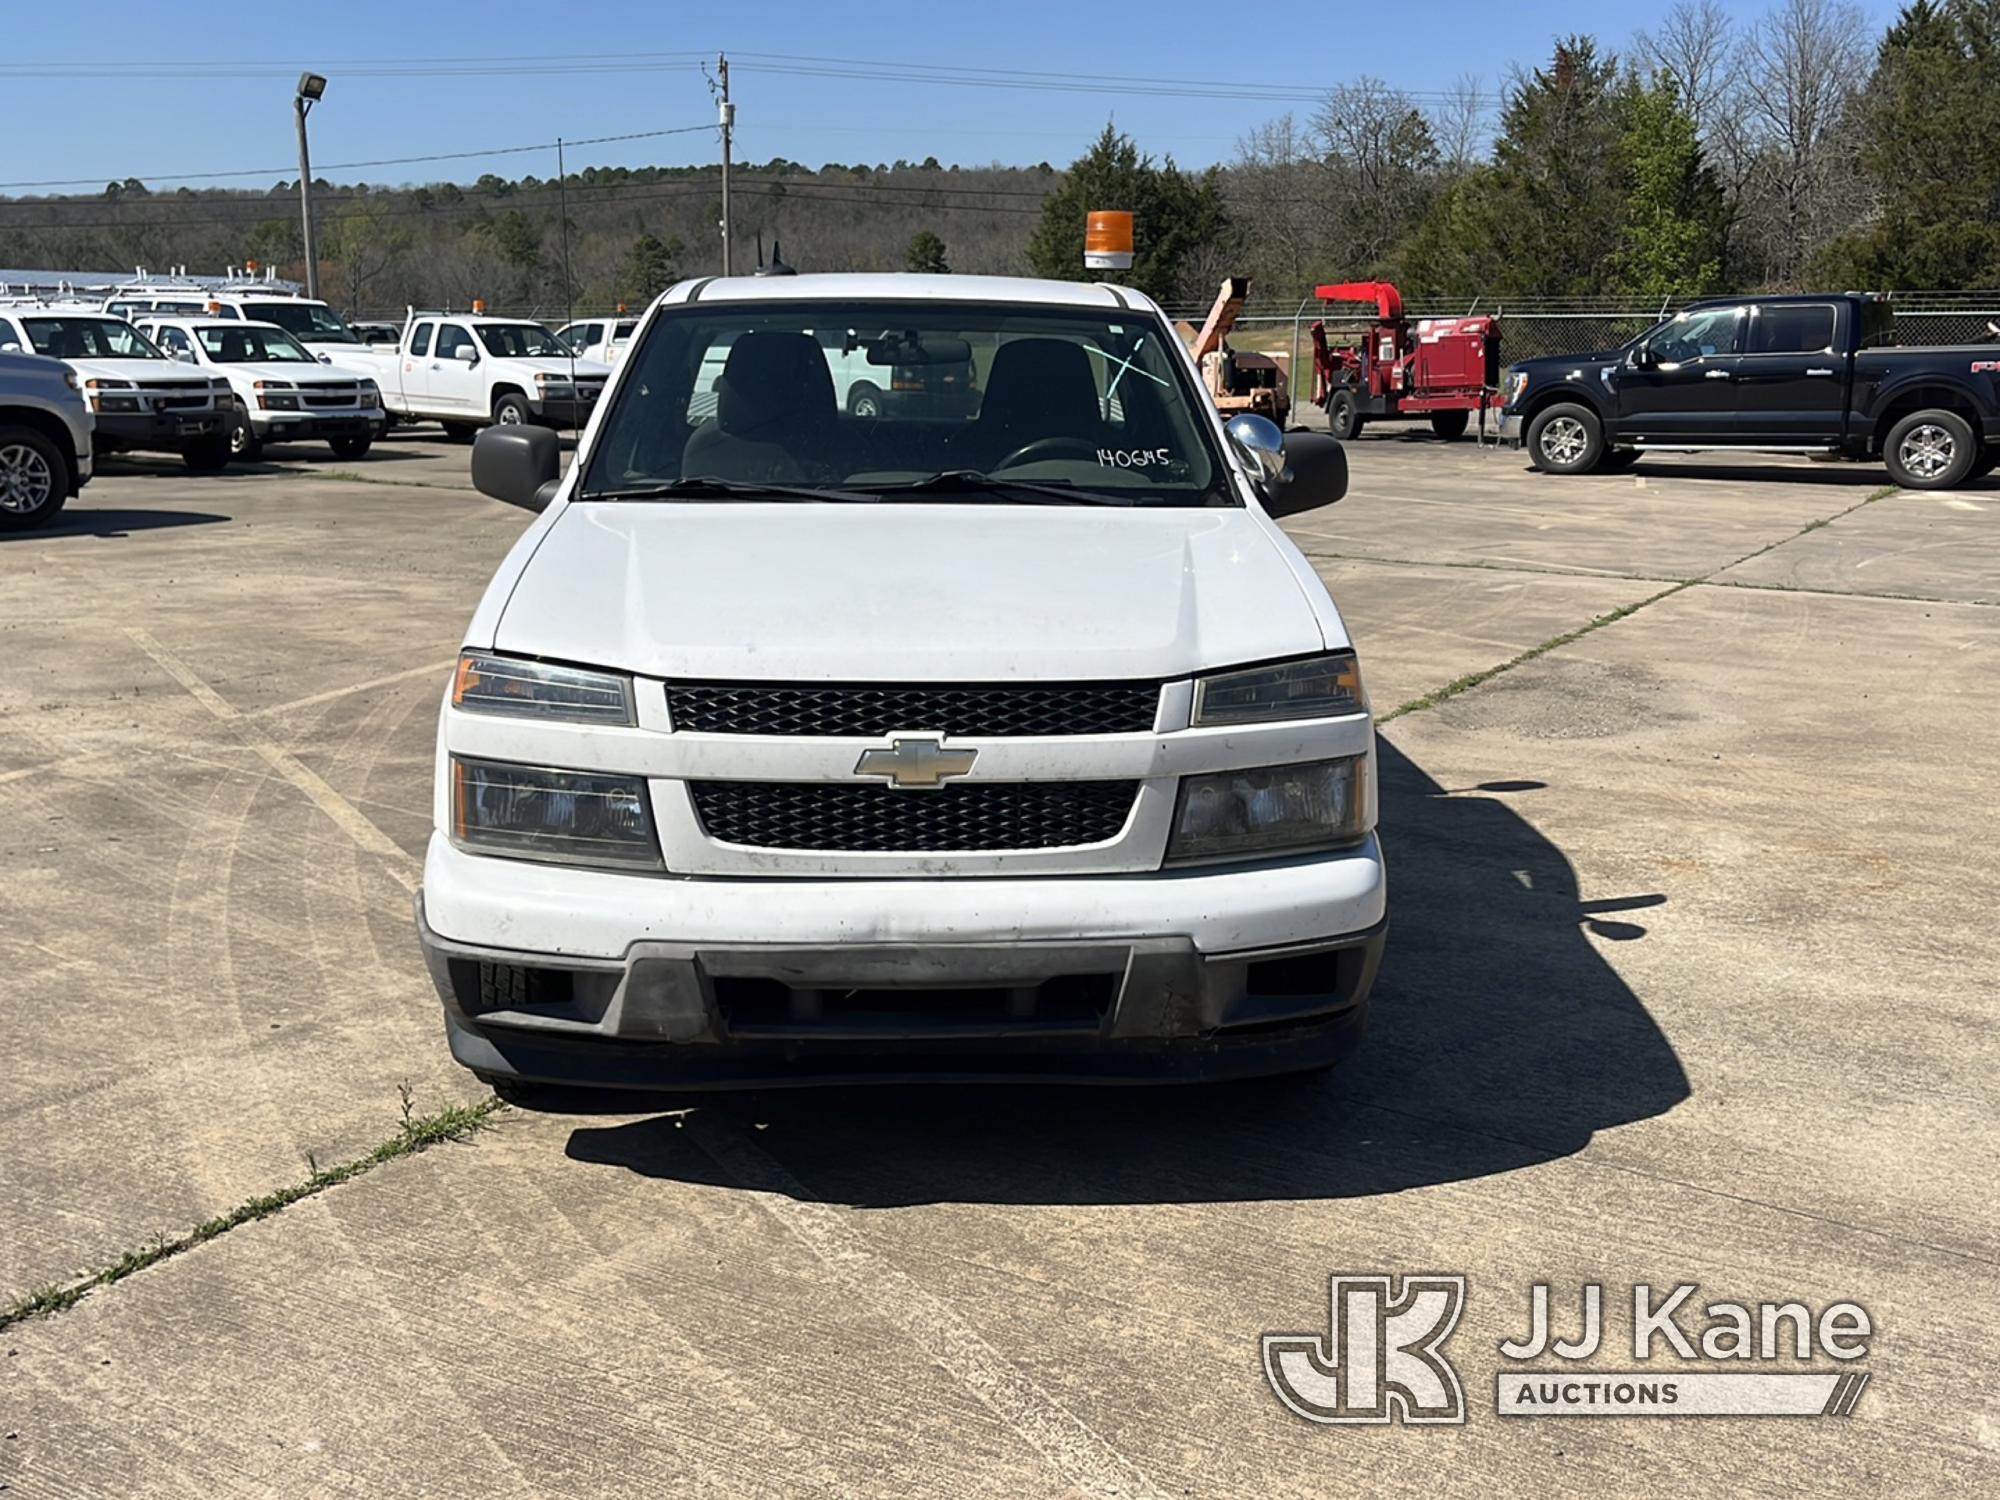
(310,321)
(467,370)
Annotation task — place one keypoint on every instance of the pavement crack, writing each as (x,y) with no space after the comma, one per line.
(417,1133)
(1472,680)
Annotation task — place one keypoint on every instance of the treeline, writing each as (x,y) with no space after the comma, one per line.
(1709,154)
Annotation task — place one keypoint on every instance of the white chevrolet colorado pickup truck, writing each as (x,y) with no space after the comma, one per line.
(282,392)
(466,370)
(1011,741)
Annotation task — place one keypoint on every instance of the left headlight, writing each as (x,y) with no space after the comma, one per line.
(371,394)
(1271,810)
(1517,384)
(560,817)
(487,683)
(1317,687)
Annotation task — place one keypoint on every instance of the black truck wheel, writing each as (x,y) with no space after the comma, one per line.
(1343,418)
(511,410)
(1931,450)
(351,447)
(1565,439)
(1450,425)
(207,455)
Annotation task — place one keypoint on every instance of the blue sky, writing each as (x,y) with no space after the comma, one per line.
(163,116)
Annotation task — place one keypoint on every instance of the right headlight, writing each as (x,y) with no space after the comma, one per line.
(1316,687)
(488,683)
(559,817)
(1270,810)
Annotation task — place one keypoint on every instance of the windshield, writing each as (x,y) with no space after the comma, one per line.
(521,341)
(888,398)
(249,346)
(306,320)
(88,338)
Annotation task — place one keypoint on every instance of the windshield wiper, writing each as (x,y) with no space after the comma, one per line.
(972,482)
(736,489)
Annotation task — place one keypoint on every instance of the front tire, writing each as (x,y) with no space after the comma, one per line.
(34,480)
(209,455)
(512,411)
(1343,417)
(1931,450)
(350,447)
(864,401)
(1565,439)
(244,444)
(1450,425)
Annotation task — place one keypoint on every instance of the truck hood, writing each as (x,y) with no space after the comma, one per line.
(843,592)
(557,366)
(291,373)
(138,371)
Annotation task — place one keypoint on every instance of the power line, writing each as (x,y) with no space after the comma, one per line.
(340,166)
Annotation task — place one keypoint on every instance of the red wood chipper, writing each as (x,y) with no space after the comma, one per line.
(1445,369)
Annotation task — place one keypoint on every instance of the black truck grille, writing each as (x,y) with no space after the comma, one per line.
(981,817)
(983,710)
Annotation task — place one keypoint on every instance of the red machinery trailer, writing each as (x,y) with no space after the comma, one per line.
(1441,368)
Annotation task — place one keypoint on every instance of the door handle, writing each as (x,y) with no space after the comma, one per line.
(1819,372)
(1716,375)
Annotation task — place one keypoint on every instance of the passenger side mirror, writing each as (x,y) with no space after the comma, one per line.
(466,354)
(517,464)
(1314,474)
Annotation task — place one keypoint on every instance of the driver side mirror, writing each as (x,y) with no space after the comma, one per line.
(517,464)
(466,354)
(1643,358)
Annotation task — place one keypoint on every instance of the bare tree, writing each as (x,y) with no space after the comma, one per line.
(1696,47)
(1383,159)
(1804,62)
(1276,186)
(1460,123)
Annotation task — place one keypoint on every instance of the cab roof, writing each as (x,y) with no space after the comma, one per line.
(906,287)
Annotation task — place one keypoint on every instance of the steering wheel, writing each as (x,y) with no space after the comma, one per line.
(1048,447)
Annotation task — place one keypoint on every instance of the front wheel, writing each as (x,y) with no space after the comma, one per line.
(1343,417)
(1450,425)
(34,480)
(1565,439)
(864,401)
(1931,450)
(511,411)
(209,455)
(350,447)
(244,444)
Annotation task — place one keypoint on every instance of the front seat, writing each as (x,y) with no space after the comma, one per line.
(1038,388)
(774,415)
(235,348)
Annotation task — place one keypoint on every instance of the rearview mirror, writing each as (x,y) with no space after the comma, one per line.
(517,464)
(1314,474)
(918,349)
(466,354)
(1260,443)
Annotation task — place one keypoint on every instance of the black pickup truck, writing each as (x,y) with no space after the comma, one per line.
(1808,374)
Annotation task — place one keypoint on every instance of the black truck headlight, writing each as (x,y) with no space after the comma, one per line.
(1316,687)
(560,817)
(488,683)
(1270,810)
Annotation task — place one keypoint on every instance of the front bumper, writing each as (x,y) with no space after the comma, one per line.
(1511,427)
(564,411)
(1241,971)
(292,427)
(166,431)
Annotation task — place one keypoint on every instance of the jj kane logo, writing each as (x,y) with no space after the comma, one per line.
(1382,1358)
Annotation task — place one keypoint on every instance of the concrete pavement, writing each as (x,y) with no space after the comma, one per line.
(1687,983)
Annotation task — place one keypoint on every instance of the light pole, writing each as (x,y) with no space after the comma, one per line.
(311,87)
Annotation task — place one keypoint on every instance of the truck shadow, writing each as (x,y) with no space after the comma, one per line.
(1499,1039)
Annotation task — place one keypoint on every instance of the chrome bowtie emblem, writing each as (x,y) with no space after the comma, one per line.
(917,761)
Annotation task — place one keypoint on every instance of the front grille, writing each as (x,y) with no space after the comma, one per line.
(980,710)
(181,403)
(839,817)
(325,395)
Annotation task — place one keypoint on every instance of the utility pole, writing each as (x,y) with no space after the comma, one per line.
(311,87)
(728,128)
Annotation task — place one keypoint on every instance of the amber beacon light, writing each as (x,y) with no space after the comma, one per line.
(1107,241)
